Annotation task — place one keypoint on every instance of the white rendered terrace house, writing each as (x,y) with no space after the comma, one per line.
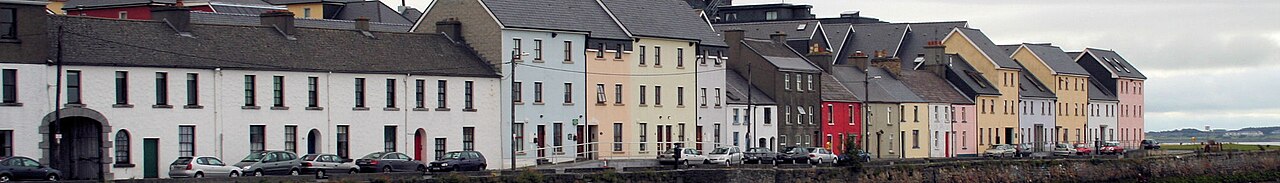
(164,89)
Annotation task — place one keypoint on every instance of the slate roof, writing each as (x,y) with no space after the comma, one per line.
(662,18)
(780,55)
(762,30)
(874,37)
(922,33)
(1118,65)
(241,2)
(1030,86)
(254,20)
(281,2)
(883,89)
(1010,48)
(989,48)
(1056,59)
(566,15)
(967,79)
(71,4)
(1097,92)
(99,42)
(413,14)
(833,90)
(374,10)
(836,35)
(933,88)
(736,88)
(220,8)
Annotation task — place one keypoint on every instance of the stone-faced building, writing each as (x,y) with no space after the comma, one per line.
(998,114)
(1125,81)
(789,78)
(124,102)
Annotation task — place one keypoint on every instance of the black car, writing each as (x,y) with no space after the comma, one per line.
(847,158)
(1150,144)
(760,155)
(389,162)
(459,161)
(795,154)
(23,168)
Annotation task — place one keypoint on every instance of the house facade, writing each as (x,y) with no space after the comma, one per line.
(1036,121)
(168,90)
(1120,77)
(1050,63)
(787,77)
(841,116)
(997,117)
(971,85)
(756,119)
(1103,120)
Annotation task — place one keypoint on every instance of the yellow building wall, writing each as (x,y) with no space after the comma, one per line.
(671,78)
(1072,92)
(56,7)
(300,10)
(1001,114)
(915,130)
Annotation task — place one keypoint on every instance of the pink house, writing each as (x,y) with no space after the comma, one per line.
(1121,78)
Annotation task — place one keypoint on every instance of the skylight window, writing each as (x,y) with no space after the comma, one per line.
(977,79)
(801,27)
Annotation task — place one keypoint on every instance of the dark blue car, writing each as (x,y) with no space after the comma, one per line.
(23,168)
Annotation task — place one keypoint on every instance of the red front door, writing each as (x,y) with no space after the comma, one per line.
(417,146)
(542,141)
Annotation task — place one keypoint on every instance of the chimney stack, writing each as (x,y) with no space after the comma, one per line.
(280,19)
(178,18)
(362,24)
(821,57)
(778,37)
(858,59)
(451,28)
(935,59)
(733,38)
(893,64)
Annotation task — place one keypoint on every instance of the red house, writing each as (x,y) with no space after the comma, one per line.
(141,9)
(841,120)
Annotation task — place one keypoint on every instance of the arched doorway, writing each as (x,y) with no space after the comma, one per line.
(313,141)
(419,148)
(76,143)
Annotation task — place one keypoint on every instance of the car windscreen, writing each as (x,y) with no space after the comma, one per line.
(452,155)
(255,157)
(720,151)
(759,150)
(181,161)
(1063,146)
(373,156)
(1111,144)
(800,150)
(310,157)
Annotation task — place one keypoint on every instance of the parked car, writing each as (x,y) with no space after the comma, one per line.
(200,167)
(1063,150)
(1082,149)
(725,155)
(22,168)
(459,161)
(850,157)
(324,164)
(822,155)
(1000,150)
(271,163)
(1111,148)
(794,154)
(389,162)
(1150,144)
(1025,150)
(681,156)
(760,155)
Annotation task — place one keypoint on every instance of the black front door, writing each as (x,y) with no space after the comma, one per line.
(313,141)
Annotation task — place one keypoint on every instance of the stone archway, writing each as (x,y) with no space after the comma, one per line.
(75,142)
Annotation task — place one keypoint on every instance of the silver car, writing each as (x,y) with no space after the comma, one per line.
(201,166)
(271,163)
(725,155)
(324,164)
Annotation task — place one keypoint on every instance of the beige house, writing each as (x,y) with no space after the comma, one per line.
(997,115)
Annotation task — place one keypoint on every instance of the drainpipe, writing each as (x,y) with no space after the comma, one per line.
(217,73)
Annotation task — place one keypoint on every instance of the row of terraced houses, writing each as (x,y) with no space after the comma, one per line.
(109,89)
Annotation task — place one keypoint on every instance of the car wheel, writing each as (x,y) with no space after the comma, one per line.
(295,172)
(234,174)
(52,177)
(257,173)
(386,169)
(835,161)
(320,174)
(422,168)
(199,175)
(685,162)
(4,178)
(483,167)
(353,171)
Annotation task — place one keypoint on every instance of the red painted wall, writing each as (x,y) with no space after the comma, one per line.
(135,12)
(840,119)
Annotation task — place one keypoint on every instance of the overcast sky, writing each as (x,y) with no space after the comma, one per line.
(1211,63)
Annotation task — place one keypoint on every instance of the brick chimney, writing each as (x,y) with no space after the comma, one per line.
(821,57)
(362,24)
(733,38)
(935,59)
(893,64)
(281,20)
(778,37)
(858,59)
(452,28)
(178,18)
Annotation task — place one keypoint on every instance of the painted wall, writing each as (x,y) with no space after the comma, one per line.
(480,30)
(1037,123)
(134,13)
(763,127)
(915,130)
(883,139)
(1000,117)
(1071,90)
(710,95)
(964,130)
(841,121)
(614,109)
(940,129)
(1103,122)
(670,76)
(1131,112)
(554,73)
(316,10)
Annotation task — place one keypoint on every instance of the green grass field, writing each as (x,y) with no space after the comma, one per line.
(1225,147)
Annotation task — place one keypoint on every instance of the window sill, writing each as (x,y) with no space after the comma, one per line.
(117,165)
(391,109)
(618,152)
(679,67)
(657,66)
(279,108)
(568,104)
(719,106)
(75,105)
(442,109)
(421,109)
(558,153)
(657,105)
(11,104)
(619,104)
(315,108)
(520,154)
(538,60)
(567,62)
(719,65)
(539,103)
(469,110)
(192,107)
(162,106)
(517,103)
(122,106)
(617,59)
(360,108)
(679,106)
(642,65)
(702,106)
(601,104)
(600,59)
(8,40)
(250,107)
(642,105)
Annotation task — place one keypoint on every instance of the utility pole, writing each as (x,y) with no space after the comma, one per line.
(57,109)
(750,108)
(512,79)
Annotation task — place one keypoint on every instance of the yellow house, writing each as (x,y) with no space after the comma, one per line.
(1050,63)
(997,115)
(915,130)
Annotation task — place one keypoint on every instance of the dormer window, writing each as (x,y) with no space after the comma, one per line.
(123,15)
(771,15)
